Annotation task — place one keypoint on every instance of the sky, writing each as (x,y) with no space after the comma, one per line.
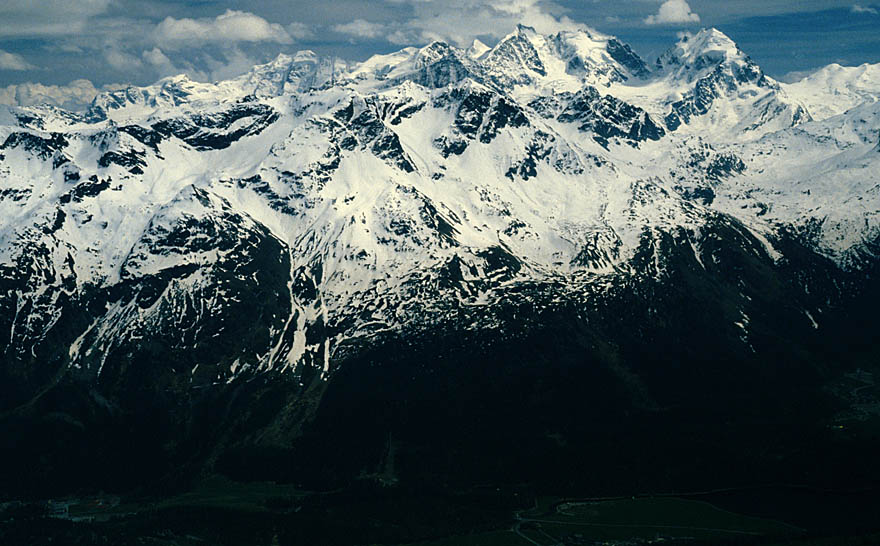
(76,47)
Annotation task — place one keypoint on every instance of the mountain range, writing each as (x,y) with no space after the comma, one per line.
(492,260)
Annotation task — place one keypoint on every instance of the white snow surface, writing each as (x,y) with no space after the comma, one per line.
(835,89)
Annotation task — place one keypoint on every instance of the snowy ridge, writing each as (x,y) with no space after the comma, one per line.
(835,89)
(353,200)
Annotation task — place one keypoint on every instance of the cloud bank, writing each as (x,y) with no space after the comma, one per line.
(229,28)
(460,21)
(75,96)
(36,18)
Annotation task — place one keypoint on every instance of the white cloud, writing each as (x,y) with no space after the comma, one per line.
(409,36)
(67,48)
(300,31)
(228,64)
(47,17)
(75,96)
(160,62)
(461,21)
(360,28)
(229,28)
(864,9)
(12,61)
(671,12)
(155,57)
(121,60)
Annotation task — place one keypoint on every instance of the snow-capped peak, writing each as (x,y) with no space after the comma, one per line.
(517,53)
(168,92)
(709,39)
(694,54)
(432,53)
(835,89)
(290,73)
(564,61)
(525,31)
(477,49)
(587,52)
(712,82)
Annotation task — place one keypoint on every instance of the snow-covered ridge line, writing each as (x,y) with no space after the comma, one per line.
(349,200)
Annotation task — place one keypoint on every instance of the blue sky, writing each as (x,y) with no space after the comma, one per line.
(55,42)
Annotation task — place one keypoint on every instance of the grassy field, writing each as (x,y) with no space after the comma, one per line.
(214,492)
(221,492)
(647,518)
(495,538)
(623,520)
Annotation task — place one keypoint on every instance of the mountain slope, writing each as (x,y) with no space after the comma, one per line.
(229,249)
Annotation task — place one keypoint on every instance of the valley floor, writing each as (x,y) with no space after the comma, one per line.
(221,511)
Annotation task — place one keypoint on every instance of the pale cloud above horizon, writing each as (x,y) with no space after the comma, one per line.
(863,9)
(12,61)
(230,27)
(462,21)
(361,28)
(33,18)
(673,12)
(76,95)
